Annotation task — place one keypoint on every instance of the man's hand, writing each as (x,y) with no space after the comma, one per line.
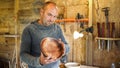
(52,55)
(46,59)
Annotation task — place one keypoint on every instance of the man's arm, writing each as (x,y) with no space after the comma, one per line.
(67,48)
(25,49)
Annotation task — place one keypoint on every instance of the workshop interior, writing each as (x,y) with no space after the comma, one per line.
(91,27)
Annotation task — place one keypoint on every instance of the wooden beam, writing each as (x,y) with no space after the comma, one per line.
(72,20)
(16,6)
(89,43)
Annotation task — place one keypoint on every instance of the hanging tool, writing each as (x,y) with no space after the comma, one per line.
(99,35)
(106,11)
(112,30)
(103,35)
(80,17)
(108,35)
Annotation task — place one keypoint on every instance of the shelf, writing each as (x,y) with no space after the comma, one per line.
(10,35)
(102,38)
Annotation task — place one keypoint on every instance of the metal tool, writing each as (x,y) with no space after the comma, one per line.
(109,41)
(103,35)
(79,16)
(99,35)
(106,11)
(112,30)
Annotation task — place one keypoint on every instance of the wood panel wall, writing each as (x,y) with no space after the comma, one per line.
(69,9)
(104,58)
(77,46)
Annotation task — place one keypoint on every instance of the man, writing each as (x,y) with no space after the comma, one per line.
(33,34)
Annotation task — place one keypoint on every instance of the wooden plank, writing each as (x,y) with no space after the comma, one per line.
(102,38)
(89,45)
(72,20)
(16,3)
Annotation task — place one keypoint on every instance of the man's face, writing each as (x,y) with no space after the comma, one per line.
(49,15)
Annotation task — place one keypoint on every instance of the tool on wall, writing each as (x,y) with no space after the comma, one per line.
(99,35)
(106,32)
(112,34)
(79,16)
(103,35)
(106,12)
(105,41)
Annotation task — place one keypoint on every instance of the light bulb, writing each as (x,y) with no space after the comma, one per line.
(76,35)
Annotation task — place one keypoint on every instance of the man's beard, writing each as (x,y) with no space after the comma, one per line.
(47,23)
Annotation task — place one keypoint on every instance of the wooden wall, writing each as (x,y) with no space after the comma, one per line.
(104,58)
(69,9)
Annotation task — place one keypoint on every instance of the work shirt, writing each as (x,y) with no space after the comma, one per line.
(30,43)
